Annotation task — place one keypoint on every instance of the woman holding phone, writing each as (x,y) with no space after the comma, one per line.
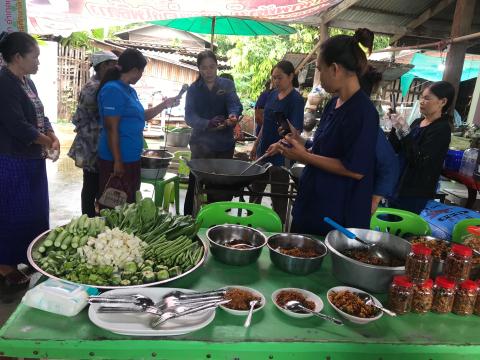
(283,103)
(212,110)
(340,161)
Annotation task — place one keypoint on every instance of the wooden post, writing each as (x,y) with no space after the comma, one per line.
(462,21)
(323,36)
(212,37)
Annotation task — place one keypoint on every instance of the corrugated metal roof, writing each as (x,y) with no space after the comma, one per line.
(412,8)
(369,16)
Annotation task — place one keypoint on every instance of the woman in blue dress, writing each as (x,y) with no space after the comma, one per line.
(284,101)
(340,161)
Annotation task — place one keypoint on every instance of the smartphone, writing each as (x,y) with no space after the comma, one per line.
(393,100)
(282,123)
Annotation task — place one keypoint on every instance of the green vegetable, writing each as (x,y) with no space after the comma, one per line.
(130,267)
(148,276)
(60,238)
(174,271)
(162,275)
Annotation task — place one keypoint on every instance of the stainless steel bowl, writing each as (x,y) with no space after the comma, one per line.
(292,264)
(372,278)
(220,235)
(178,139)
(155,159)
(296,170)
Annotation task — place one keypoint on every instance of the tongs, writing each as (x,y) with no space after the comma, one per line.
(254,163)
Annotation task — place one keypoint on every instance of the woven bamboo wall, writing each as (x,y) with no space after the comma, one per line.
(73,73)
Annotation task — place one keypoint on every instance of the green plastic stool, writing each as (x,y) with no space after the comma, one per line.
(183,169)
(460,229)
(409,223)
(160,185)
(258,216)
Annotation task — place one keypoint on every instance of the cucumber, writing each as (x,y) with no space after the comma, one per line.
(60,238)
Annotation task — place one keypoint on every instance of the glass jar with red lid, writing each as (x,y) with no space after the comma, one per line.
(458,263)
(418,263)
(400,295)
(476,309)
(443,295)
(465,297)
(422,297)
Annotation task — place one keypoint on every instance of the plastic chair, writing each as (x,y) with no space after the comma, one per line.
(399,222)
(162,194)
(258,216)
(460,228)
(165,189)
(183,169)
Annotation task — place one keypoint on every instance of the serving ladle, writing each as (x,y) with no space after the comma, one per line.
(297,307)
(373,248)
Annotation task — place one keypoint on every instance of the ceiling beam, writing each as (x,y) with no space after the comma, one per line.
(329,15)
(427,14)
(377,28)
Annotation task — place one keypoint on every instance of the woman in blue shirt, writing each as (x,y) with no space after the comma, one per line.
(338,178)
(212,109)
(122,118)
(284,99)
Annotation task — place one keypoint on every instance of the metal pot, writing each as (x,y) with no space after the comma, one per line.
(296,170)
(292,264)
(221,235)
(178,139)
(226,171)
(372,278)
(156,159)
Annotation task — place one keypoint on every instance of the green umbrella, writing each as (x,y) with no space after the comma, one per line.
(227,25)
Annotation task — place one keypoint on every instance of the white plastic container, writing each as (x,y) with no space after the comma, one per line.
(59,297)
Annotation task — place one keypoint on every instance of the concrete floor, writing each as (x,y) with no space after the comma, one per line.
(65,183)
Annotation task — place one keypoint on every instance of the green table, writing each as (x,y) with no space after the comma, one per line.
(33,333)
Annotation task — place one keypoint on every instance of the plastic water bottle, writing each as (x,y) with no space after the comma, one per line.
(469,162)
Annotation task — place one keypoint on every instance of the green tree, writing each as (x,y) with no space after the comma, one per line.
(252,58)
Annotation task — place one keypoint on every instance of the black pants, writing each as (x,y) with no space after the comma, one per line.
(203,152)
(89,192)
(279,183)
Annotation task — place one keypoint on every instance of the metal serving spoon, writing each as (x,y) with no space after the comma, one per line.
(295,306)
(373,248)
(198,294)
(167,315)
(135,299)
(250,313)
(367,299)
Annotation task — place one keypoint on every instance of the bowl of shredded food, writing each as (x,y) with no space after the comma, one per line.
(295,253)
(240,297)
(347,303)
(306,298)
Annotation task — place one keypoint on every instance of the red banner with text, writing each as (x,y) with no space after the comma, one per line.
(64,16)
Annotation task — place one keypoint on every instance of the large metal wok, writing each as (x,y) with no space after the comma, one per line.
(226,171)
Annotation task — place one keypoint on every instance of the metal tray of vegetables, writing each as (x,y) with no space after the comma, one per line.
(135,245)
